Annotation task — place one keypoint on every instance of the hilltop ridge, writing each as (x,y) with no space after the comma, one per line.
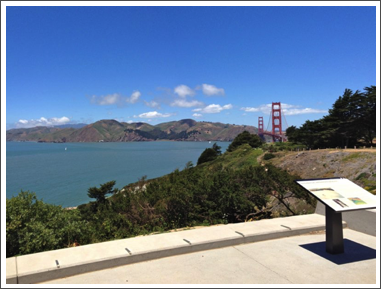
(357,165)
(109,130)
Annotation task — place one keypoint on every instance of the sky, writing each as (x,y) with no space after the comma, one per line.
(154,64)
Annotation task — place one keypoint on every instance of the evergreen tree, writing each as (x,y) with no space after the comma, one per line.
(100,193)
(351,121)
(245,137)
(209,154)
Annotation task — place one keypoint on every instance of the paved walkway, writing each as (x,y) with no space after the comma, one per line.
(49,265)
(290,260)
(275,251)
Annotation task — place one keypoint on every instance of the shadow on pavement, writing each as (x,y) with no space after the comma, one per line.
(353,252)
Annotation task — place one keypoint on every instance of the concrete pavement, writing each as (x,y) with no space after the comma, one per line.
(289,260)
(270,251)
(39,267)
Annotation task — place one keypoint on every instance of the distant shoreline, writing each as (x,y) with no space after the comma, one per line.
(159,140)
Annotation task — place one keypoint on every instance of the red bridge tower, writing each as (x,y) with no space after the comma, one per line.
(276,119)
(260,125)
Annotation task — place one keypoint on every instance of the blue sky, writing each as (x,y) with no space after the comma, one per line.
(158,64)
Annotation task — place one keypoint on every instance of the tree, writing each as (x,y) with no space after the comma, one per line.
(217,148)
(351,121)
(100,193)
(209,154)
(368,119)
(245,137)
(341,120)
(188,165)
(292,134)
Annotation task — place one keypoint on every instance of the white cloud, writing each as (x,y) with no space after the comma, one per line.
(250,109)
(152,103)
(264,108)
(183,91)
(209,90)
(197,115)
(134,97)
(106,99)
(185,103)
(307,110)
(42,121)
(153,114)
(287,109)
(115,98)
(213,108)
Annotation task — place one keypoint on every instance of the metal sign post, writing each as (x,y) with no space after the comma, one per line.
(334,242)
(338,195)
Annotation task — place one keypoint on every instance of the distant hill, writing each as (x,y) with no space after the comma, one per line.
(114,131)
(71,125)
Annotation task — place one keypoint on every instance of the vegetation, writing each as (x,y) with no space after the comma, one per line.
(350,122)
(245,137)
(283,146)
(34,226)
(230,188)
(209,154)
(268,156)
(100,194)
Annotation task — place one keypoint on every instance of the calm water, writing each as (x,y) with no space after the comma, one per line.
(62,176)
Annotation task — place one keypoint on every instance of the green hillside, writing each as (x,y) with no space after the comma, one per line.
(114,131)
(242,157)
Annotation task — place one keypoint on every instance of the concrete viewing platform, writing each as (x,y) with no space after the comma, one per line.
(275,251)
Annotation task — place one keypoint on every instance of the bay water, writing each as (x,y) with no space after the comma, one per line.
(61,173)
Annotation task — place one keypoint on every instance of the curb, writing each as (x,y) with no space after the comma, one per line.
(231,237)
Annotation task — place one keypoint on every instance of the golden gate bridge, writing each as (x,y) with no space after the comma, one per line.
(276,132)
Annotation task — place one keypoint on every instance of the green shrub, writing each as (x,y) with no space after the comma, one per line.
(268,156)
(209,154)
(34,226)
(245,137)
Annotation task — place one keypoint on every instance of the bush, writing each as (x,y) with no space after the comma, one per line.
(268,156)
(245,137)
(201,195)
(34,226)
(209,154)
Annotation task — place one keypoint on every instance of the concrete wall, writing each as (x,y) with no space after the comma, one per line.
(363,221)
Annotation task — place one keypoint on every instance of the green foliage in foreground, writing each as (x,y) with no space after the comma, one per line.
(225,190)
(34,226)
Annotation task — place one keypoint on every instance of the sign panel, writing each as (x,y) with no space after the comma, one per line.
(339,193)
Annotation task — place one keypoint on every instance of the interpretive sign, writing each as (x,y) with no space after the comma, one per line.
(340,194)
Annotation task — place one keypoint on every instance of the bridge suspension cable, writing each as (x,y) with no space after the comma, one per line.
(284,117)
